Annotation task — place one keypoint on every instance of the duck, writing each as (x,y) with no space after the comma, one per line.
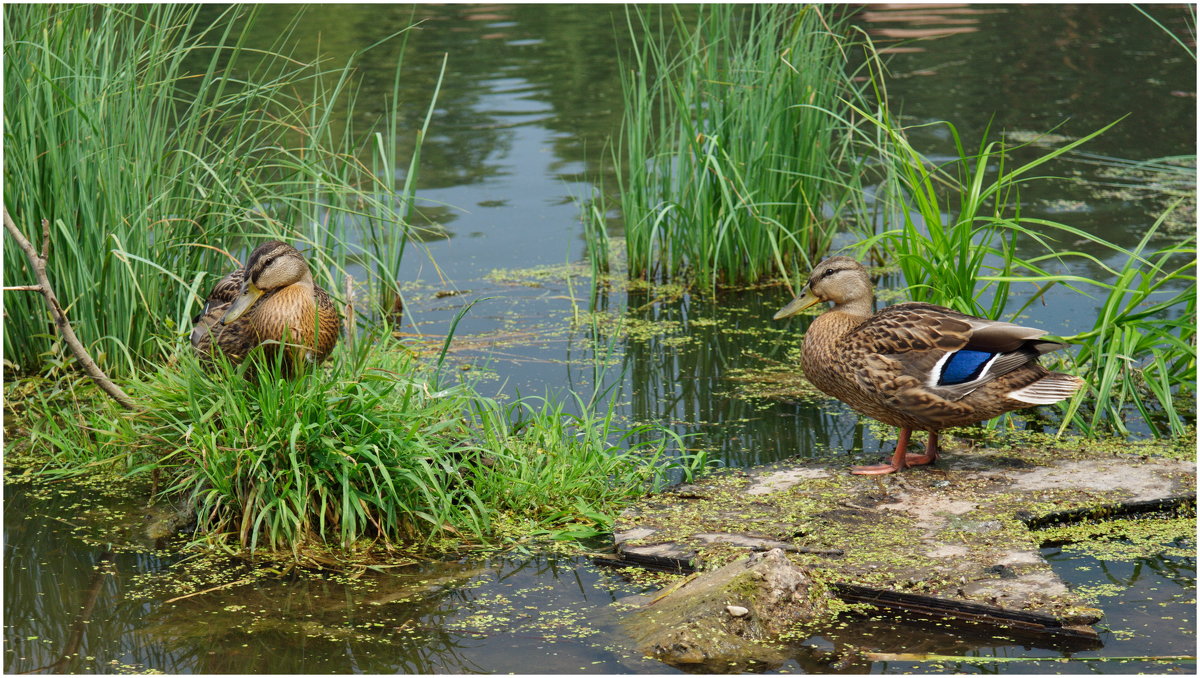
(918,366)
(271,302)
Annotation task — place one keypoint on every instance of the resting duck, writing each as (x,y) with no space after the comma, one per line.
(918,366)
(270,302)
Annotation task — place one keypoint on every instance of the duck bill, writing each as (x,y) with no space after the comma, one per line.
(250,294)
(805,300)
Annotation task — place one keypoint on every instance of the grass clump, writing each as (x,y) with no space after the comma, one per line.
(959,222)
(549,467)
(370,454)
(734,160)
(1141,350)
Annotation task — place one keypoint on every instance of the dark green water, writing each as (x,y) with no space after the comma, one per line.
(531,94)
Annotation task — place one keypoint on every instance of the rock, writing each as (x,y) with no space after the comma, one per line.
(958,543)
(162,522)
(730,615)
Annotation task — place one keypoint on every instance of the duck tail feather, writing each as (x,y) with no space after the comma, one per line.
(1049,389)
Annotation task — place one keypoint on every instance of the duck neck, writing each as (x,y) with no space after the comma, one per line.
(829,327)
(863,307)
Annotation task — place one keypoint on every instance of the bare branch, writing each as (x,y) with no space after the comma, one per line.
(45,240)
(38,262)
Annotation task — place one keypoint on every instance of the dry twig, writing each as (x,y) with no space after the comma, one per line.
(38,263)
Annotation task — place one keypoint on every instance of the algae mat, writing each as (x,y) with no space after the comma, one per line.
(955,541)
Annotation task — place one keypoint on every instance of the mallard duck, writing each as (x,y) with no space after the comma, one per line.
(270,302)
(918,366)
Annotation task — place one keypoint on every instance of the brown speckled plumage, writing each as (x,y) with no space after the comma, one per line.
(279,301)
(886,365)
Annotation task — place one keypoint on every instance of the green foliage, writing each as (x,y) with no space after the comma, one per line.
(335,457)
(168,136)
(734,159)
(551,467)
(944,261)
(369,451)
(1141,352)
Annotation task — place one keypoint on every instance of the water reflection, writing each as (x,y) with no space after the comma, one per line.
(81,606)
(917,22)
(1034,67)
(73,607)
(373,625)
(62,598)
(680,377)
(549,66)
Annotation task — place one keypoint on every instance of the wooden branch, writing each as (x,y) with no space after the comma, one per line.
(38,262)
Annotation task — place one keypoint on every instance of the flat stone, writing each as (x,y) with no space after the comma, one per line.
(1143,482)
(756,543)
(949,551)
(1021,558)
(783,480)
(727,617)
(635,533)
(942,541)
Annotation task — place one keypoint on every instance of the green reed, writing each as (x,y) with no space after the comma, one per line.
(569,474)
(959,221)
(734,158)
(169,136)
(1141,351)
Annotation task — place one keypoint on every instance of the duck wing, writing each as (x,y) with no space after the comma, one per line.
(219,300)
(329,324)
(932,353)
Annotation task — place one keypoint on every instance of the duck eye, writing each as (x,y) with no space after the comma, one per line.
(828,272)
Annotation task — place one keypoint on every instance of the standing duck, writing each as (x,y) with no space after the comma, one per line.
(918,366)
(270,302)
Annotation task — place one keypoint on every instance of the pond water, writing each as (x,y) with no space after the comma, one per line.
(517,142)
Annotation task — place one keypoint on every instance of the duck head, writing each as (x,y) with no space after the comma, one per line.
(272,266)
(840,280)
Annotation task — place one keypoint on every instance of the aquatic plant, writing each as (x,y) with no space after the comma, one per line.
(1141,350)
(734,159)
(168,136)
(375,451)
(958,221)
(547,466)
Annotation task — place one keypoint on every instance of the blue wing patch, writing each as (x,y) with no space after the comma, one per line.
(963,366)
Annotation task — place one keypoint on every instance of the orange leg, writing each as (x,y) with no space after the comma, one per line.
(901,459)
(931,452)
